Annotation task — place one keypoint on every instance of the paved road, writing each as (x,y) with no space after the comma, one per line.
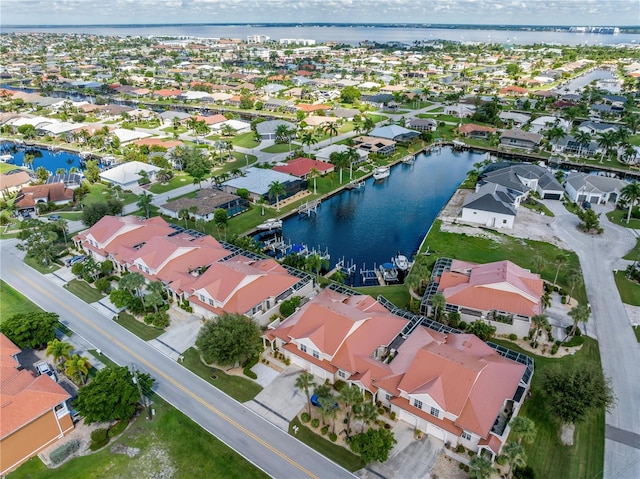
(619,350)
(260,442)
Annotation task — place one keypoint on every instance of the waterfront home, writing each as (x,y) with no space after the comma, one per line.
(520,139)
(206,202)
(570,145)
(276,104)
(258,181)
(514,119)
(267,129)
(595,189)
(490,205)
(451,386)
(597,128)
(34,410)
(324,154)
(380,146)
(543,123)
(70,180)
(422,124)
(301,167)
(480,132)
(501,294)
(14,181)
(396,133)
(126,175)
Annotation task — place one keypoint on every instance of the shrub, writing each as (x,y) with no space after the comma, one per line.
(103,284)
(304,417)
(554,349)
(324,430)
(501,460)
(563,300)
(99,439)
(249,373)
(338,385)
(315,422)
(574,341)
(64,451)
(392,415)
(460,449)
(333,437)
(525,472)
(161,320)
(513,336)
(381,411)
(286,309)
(463,325)
(460,465)
(117,428)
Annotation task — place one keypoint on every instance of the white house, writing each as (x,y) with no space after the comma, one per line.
(126,175)
(593,188)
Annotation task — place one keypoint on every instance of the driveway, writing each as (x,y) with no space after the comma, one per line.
(280,401)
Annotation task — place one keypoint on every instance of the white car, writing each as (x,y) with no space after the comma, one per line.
(43,368)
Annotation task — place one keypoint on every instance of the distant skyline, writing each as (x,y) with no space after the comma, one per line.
(491,12)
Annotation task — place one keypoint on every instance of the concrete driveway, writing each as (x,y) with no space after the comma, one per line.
(280,401)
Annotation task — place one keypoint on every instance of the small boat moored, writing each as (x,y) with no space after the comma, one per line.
(270,224)
(389,273)
(381,173)
(401,262)
(6,159)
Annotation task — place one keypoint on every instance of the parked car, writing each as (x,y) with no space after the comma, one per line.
(315,400)
(43,368)
(74,260)
(54,217)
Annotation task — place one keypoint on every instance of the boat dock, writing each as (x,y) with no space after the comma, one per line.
(309,207)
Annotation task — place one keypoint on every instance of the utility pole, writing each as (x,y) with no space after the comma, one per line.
(143,399)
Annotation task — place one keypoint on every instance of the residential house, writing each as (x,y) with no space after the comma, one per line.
(452,386)
(324,154)
(380,146)
(127,175)
(422,124)
(276,104)
(491,205)
(471,130)
(206,202)
(595,189)
(396,133)
(267,129)
(597,128)
(501,293)
(460,111)
(30,196)
(34,412)
(258,180)
(70,180)
(571,146)
(520,139)
(514,119)
(14,180)
(544,123)
(301,167)
(379,101)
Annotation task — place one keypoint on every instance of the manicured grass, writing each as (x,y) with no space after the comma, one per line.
(104,359)
(12,302)
(546,454)
(539,207)
(619,217)
(338,454)
(634,254)
(84,291)
(636,330)
(97,193)
(180,179)
(171,445)
(279,148)
(239,388)
(398,294)
(4,167)
(39,267)
(377,118)
(143,331)
(245,140)
(70,215)
(629,290)
(484,250)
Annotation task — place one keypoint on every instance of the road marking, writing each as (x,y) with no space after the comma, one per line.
(168,378)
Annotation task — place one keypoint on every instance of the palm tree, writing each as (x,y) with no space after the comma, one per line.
(308,139)
(583,138)
(515,455)
(59,350)
(607,140)
(438,302)
(538,262)
(480,467)
(629,153)
(144,202)
(579,314)
(340,160)
(523,428)
(276,190)
(633,123)
(539,321)
(561,260)
(132,282)
(368,414)
(351,397)
(313,173)
(183,213)
(331,130)
(282,133)
(555,134)
(631,194)
(575,280)
(77,368)
(155,290)
(304,382)
(314,263)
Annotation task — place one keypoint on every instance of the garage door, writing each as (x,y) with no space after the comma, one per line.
(552,196)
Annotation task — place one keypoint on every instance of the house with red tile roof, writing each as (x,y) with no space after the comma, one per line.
(452,386)
(301,167)
(15,181)
(33,410)
(501,293)
(471,130)
(167,93)
(30,196)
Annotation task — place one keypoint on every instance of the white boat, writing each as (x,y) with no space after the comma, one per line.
(6,159)
(270,224)
(389,273)
(408,160)
(401,262)
(381,173)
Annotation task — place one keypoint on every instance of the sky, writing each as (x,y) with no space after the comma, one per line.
(509,12)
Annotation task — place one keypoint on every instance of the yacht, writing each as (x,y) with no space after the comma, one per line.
(401,262)
(270,224)
(381,173)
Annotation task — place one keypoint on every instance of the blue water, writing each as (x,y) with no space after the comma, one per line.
(371,225)
(50,160)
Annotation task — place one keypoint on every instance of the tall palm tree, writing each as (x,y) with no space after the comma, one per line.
(523,428)
(155,290)
(633,123)
(332,130)
(276,190)
(631,194)
(561,260)
(308,139)
(555,134)
(183,213)
(314,173)
(515,455)
(438,302)
(351,397)
(132,282)
(583,138)
(340,160)
(579,314)
(59,350)
(480,467)
(575,279)
(539,321)
(77,368)
(607,141)
(305,381)
(629,153)
(144,202)
(368,414)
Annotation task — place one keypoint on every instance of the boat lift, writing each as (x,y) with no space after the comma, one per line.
(309,207)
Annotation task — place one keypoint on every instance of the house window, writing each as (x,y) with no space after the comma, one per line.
(466,435)
(504,222)
(417,403)
(434,411)
(342,374)
(387,397)
(303,348)
(316,354)
(211,303)
(202,298)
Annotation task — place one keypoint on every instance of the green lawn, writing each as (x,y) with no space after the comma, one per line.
(634,254)
(180,179)
(636,330)
(629,290)
(140,329)
(619,217)
(12,302)
(39,267)
(97,193)
(171,445)
(245,140)
(539,207)
(545,454)
(239,388)
(84,291)
(398,294)
(4,167)
(338,454)
(484,250)
(279,148)
(377,118)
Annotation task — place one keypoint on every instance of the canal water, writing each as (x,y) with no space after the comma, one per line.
(369,226)
(50,160)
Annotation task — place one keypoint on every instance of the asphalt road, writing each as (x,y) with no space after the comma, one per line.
(619,350)
(260,442)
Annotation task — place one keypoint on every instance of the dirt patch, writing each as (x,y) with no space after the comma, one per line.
(566,434)
(447,468)
(127,451)
(154,463)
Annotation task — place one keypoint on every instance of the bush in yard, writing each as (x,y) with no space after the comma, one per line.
(102,284)
(249,373)
(315,422)
(333,437)
(30,330)
(230,339)
(161,320)
(513,337)
(64,451)
(117,428)
(304,417)
(324,430)
(99,439)
(525,472)
(373,445)
(338,385)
